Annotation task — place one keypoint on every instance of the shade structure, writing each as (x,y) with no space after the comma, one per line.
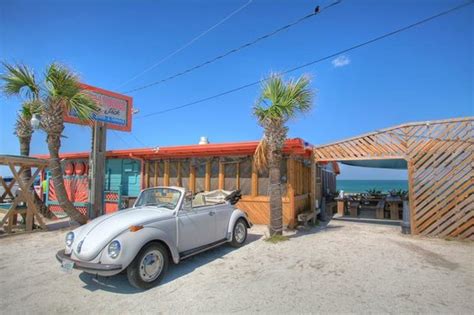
(397,164)
(438,157)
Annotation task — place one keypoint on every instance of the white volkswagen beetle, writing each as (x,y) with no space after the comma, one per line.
(164,223)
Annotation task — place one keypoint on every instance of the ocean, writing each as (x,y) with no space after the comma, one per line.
(362,185)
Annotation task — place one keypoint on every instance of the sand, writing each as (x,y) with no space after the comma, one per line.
(341,267)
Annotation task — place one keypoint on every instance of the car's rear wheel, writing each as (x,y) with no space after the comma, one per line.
(239,234)
(148,267)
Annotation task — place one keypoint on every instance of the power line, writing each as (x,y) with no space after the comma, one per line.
(138,140)
(314,61)
(169,56)
(116,134)
(232,51)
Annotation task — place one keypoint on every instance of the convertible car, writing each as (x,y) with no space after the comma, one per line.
(165,223)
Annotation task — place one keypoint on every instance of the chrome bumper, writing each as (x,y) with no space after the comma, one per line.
(87,266)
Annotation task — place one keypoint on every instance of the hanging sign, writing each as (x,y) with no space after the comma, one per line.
(115,110)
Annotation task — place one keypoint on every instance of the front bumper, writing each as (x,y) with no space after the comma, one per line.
(94,268)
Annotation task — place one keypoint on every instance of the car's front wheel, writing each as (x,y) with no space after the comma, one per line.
(148,267)
(239,234)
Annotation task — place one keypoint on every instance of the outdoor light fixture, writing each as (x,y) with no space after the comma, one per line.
(35,121)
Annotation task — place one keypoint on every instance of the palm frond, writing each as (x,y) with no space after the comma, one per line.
(19,79)
(31,107)
(260,157)
(282,101)
(83,105)
(61,82)
(63,86)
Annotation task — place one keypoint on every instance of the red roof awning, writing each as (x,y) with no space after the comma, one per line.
(294,146)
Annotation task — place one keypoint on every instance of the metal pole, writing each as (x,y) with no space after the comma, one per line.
(97,170)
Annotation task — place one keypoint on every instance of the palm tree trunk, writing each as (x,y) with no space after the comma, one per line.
(25,151)
(276,213)
(25,142)
(54,143)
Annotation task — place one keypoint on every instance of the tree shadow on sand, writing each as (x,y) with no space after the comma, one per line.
(323,226)
(119,283)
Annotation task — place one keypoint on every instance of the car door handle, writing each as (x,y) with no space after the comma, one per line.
(212,213)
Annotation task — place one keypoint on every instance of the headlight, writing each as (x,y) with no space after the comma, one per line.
(69,239)
(114,249)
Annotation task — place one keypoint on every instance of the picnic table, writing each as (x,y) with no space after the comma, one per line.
(23,202)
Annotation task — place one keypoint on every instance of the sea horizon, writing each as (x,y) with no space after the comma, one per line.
(362,185)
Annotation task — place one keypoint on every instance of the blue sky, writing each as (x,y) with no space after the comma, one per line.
(423,74)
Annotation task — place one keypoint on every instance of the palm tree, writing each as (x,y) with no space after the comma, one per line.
(59,92)
(20,80)
(279,102)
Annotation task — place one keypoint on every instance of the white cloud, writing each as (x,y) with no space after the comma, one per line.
(341,61)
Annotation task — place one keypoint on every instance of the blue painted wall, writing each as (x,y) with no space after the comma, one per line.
(123,174)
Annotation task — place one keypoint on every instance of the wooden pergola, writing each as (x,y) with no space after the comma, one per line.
(440,160)
(25,194)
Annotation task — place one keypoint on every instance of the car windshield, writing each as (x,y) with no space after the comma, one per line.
(159,197)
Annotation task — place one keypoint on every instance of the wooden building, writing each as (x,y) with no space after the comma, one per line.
(208,167)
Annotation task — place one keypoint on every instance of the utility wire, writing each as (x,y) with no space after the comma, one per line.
(162,60)
(116,134)
(232,51)
(314,61)
(138,140)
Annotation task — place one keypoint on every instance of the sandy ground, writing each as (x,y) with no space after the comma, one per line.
(341,267)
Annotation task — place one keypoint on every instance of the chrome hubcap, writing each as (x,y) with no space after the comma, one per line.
(151,265)
(239,232)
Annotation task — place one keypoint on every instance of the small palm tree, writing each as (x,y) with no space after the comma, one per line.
(59,92)
(20,80)
(279,102)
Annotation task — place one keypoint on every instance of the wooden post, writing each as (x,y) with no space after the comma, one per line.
(340,207)
(292,206)
(156,173)
(147,174)
(166,175)
(254,189)
(237,183)
(290,182)
(411,196)
(312,185)
(296,179)
(221,175)
(179,174)
(207,179)
(97,169)
(290,189)
(300,177)
(192,177)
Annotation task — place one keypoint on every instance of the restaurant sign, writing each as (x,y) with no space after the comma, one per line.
(115,109)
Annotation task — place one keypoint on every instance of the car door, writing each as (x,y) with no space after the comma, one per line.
(223,214)
(196,227)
